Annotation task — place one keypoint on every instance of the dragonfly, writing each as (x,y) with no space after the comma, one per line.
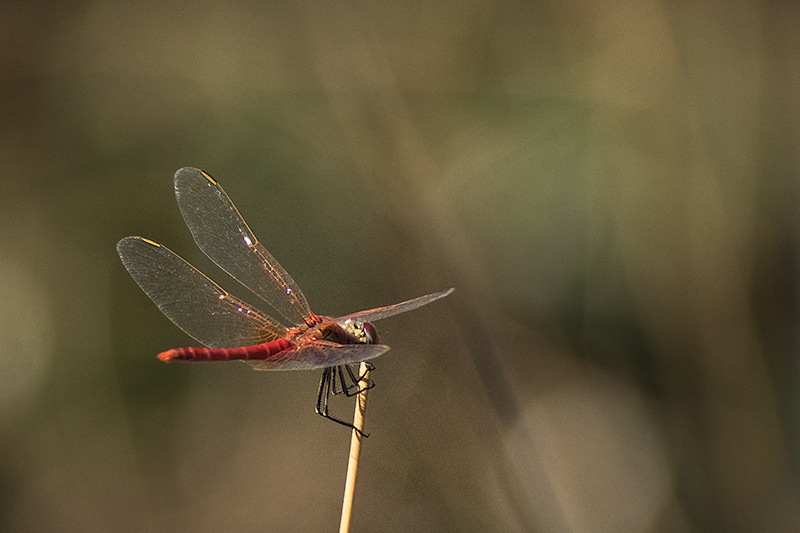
(230,329)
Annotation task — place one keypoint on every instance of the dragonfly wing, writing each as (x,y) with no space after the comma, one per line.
(320,354)
(390,310)
(191,300)
(223,235)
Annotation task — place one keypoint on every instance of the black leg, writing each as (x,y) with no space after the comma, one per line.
(370,383)
(353,381)
(370,368)
(343,386)
(324,391)
(326,387)
(356,380)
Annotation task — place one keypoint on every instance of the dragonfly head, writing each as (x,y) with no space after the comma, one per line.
(360,332)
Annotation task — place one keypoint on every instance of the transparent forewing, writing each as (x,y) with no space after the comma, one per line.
(372,315)
(320,354)
(191,300)
(223,235)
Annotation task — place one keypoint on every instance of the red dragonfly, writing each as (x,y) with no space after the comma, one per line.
(230,328)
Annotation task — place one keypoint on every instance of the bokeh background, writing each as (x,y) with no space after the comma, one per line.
(612,188)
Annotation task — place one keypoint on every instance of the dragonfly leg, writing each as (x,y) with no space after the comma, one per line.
(325,390)
(343,387)
(356,380)
(370,368)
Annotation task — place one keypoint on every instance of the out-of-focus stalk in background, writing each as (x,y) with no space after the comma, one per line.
(612,187)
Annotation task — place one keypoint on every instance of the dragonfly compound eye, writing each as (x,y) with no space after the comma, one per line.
(370,333)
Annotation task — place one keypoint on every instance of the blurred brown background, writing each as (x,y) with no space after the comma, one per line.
(612,187)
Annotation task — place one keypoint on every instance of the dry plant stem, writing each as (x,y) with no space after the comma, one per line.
(355,449)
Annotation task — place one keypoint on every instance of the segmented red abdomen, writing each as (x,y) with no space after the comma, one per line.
(259,351)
